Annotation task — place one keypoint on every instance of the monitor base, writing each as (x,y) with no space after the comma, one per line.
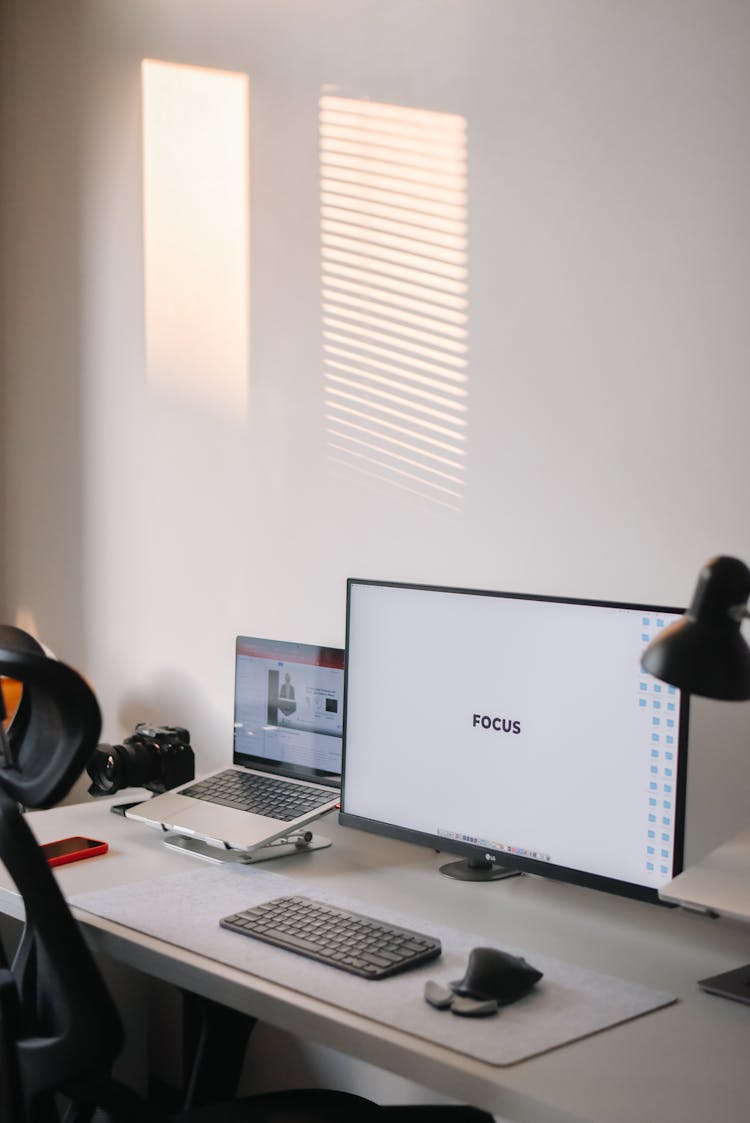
(731,984)
(302,843)
(477,869)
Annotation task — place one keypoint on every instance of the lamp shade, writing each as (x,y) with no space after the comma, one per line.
(704,652)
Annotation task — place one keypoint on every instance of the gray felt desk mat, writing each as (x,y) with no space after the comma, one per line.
(570,1002)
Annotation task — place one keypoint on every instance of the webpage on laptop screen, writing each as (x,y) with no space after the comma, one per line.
(288,705)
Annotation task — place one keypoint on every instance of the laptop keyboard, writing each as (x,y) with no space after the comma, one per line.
(348,940)
(263,795)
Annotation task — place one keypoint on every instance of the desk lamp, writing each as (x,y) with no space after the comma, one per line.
(705,653)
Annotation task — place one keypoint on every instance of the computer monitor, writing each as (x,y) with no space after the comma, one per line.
(517,731)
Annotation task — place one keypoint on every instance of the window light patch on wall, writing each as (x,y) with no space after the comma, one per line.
(393,217)
(196,234)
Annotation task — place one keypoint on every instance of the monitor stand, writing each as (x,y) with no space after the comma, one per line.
(303,842)
(477,869)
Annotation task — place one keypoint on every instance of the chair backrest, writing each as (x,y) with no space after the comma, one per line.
(61,1026)
(58,1024)
(56,728)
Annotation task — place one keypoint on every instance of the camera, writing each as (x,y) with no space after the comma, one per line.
(154,757)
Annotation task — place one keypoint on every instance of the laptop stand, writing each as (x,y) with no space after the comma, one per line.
(300,842)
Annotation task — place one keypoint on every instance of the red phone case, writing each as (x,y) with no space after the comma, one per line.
(75,855)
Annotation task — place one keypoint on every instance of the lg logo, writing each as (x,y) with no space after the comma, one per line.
(499,724)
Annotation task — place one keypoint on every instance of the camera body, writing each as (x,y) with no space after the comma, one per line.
(153,757)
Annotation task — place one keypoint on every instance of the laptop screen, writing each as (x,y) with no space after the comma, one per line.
(288,708)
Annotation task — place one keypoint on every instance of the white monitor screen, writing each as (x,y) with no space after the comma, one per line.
(515,729)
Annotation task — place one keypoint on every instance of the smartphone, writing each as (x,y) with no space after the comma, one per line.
(72,849)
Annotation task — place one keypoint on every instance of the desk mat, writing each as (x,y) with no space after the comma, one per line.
(570,1002)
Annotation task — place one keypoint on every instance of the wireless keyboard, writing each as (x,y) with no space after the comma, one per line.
(341,938)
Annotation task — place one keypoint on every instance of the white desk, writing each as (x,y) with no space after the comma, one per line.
(684,1063)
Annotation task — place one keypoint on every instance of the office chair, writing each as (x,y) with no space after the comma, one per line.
(60,1032)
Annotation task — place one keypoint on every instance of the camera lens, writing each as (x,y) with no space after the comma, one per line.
(103,770)
(109,769)
(132,765)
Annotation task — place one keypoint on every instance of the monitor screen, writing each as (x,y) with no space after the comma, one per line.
(288,708)
(515,730)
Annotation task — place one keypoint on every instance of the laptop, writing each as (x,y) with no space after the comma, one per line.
(286,761)
(718,884)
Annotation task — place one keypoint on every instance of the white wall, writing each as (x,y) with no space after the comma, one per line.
(608,270)
(608,274)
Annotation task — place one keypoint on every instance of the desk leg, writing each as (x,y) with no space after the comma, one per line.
(214,1042)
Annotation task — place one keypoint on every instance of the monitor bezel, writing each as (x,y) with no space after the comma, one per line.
(516,862)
